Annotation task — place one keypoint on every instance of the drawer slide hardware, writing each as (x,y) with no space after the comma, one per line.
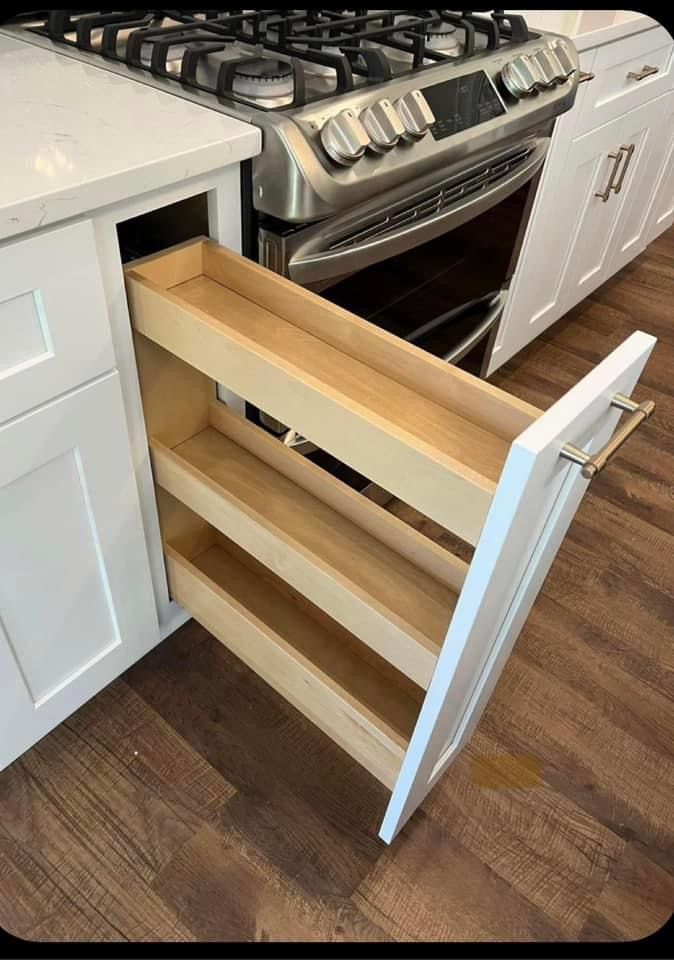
(646,71)
(592,464)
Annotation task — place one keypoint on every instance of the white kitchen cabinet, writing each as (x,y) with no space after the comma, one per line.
(76,600)
(619,133)
(607,170)
(576,240)
(661,211)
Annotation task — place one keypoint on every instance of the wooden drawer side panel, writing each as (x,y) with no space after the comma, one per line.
(322,678)
(378,595)
(391,445)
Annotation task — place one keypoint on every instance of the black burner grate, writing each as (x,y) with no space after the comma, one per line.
(355,43)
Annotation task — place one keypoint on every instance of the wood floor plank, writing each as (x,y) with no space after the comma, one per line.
(624,783)
(229,898)
(31,897)
(633,693)
(451,895)
(272,756)
(152,753)
(636,901)
(548,848)
(188,801)
(101,841)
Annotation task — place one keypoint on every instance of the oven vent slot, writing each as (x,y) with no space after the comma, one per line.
(436,199)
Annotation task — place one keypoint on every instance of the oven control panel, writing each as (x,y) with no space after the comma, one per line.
(462,102)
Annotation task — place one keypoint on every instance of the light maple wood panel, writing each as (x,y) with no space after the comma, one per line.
(456,436)
(449,386)
(434,455)
(384,526)
(394,607)
(311,667)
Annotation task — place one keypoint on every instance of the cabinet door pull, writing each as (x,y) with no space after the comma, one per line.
(645,71)
(593,463)
(629,150)
(584,77)
(606,193)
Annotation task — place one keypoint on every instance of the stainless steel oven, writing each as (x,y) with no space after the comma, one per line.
(430,261)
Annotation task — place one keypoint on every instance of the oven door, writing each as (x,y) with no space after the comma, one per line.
(430,264)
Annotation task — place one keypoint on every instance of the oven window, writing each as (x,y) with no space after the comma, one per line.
(436,293)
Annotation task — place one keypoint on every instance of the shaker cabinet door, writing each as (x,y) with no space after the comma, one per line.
(76,600)
(646,181)
(610,165)
(589,221)
(661,210)
(566,245)
(537,497)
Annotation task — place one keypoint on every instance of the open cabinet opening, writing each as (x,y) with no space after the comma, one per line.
(174,223)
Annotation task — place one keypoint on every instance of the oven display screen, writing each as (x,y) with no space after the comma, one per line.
(462,103)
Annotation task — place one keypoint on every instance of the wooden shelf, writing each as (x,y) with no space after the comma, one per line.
(430,434)
(316,666)
(277,512)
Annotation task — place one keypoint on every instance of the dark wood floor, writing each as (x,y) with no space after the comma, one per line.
(188,801)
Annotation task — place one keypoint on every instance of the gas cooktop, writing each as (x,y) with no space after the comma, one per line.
(277,59)
(352,103)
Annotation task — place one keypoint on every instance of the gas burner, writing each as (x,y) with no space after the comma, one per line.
(264,79)
(440,36)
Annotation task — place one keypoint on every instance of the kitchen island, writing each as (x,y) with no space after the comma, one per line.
(86,150)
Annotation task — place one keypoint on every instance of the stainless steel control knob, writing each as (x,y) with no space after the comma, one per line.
(383,125)
(344,138)
(550,67)
(415,114)
(522,76)
(561,51)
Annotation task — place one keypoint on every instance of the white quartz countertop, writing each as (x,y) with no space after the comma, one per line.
(76,138)
(589,28)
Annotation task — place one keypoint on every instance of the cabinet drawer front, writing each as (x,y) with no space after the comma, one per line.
(54,329)
(615,88)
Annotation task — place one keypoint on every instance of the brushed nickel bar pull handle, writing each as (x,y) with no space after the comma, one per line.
(605,194)
(629,150)
(584,77)
(646,71)
(592,464)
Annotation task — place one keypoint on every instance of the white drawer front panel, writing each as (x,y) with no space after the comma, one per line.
(55,602)
(24,339)
(54,330)
(613,92)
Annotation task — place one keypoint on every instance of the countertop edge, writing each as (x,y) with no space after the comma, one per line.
(48,209)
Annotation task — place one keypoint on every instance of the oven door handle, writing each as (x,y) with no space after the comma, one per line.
(309,266)
(490,318)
